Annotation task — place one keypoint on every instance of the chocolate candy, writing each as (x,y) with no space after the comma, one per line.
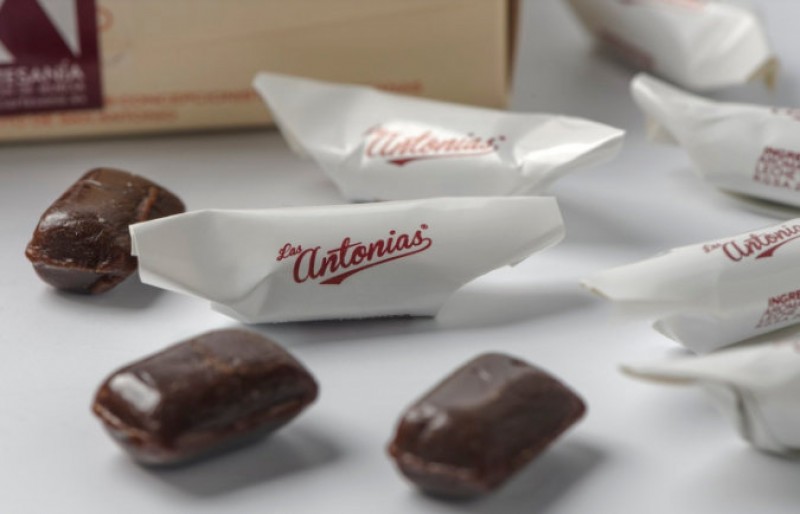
(204,394)
(482,424)
(82,243)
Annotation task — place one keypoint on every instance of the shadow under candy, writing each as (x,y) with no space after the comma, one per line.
(310,332)
(536,487)
(544,481)
(767,208)
(290,451)
(486,305)
(131,294)
(477,305)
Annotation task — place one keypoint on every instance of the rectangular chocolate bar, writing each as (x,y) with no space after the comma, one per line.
(203,394)
(82,244)
(481,424)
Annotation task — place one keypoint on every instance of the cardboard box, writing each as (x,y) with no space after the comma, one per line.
(182,65)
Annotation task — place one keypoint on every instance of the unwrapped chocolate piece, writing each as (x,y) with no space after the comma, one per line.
(757,388)
(342,261)
(206,393)
(717,293)
(480,425)
(748,149)
(699,44)
(383,146)
(82,244)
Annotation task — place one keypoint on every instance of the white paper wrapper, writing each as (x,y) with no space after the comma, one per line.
(716,293)
(382,146)
(747,149)
(699,44)
(757,387)
(346,261)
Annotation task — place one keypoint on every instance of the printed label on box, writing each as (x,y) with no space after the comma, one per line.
(48,56)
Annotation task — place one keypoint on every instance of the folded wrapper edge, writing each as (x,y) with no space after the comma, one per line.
(736,403)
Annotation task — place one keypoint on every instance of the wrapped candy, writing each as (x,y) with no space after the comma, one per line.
(757,387)
(382,146)
(746,149)
(345,261)
(699,44)
(716,293)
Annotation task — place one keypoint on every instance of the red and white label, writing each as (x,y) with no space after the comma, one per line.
(401,147)
(332,266)
(49,57)
(781,309)
(777,167)
(759,245)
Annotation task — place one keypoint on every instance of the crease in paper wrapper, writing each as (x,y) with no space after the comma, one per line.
(699,45)
(713,294)
(231,257)
(757,388)
(750,150)
(383,146)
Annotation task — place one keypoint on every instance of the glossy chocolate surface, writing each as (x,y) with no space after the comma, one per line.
(202,394)
(481,424)
(82,244)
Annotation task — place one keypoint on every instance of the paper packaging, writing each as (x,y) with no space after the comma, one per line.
(716,293)
(757,387)
(380,146)
(187,64)
(346,261)
(699,44)
(741,148)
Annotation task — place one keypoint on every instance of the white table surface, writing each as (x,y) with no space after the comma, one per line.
(641,448)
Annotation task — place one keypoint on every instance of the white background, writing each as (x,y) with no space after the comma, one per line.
(641,448)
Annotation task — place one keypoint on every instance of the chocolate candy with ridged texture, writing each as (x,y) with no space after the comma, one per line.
(209,393)
(481,424)
(82,244)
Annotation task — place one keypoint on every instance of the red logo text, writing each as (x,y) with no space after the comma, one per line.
(781,309)
(332,266)
(402,147)
(758,246)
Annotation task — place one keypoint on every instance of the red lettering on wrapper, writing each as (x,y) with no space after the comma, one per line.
(400,147)
(777,167)
(781,309)
(335,265)
(288,250)
(756,245)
